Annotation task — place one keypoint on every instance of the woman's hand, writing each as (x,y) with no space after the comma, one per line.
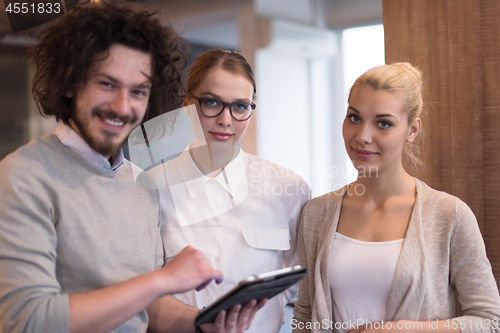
(237,320)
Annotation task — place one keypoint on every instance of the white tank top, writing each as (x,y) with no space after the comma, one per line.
(361,275)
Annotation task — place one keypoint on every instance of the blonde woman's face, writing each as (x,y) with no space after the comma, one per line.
(376,129)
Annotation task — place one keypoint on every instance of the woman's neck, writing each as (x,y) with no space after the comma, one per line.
(210,160)
(380,186)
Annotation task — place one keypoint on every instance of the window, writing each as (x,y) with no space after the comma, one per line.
(362,49)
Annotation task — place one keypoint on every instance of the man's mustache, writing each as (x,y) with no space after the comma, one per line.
(130,118)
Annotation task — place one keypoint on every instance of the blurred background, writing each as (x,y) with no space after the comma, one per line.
(305,53)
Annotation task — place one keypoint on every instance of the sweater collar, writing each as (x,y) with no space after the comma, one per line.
(72,140)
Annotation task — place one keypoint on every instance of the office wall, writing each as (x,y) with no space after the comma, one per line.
(457,46)
(13,104)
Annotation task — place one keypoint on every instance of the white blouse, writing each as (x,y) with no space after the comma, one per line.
(245,222)
(360,275)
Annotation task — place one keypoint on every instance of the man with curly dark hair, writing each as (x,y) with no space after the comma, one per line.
(80,245)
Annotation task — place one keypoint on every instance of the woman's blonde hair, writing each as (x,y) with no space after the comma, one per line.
(405,80)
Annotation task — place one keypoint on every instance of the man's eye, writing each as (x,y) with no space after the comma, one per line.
(106,84)
(140,93)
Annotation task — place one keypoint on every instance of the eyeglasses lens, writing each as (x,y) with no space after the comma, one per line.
(212,107)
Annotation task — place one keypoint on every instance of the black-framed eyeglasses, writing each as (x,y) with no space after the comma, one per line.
(212,107)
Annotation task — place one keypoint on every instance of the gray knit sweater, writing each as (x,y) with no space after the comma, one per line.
(68,227)
(443,260)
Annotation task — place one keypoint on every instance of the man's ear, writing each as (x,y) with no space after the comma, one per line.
(414,130)
(70,94)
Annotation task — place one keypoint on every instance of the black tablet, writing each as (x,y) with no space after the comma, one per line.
(257,287)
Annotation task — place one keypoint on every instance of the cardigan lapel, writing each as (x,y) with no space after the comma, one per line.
(409,285)
(323,308)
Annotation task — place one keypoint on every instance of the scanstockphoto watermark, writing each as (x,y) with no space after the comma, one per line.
(315,171)
(326,324)
(472,324)
(298,187)
(271,179)
(263,187)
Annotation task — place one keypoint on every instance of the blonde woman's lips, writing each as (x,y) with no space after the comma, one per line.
(363,154)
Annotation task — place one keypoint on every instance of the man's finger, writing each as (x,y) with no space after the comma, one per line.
(203,285)
(216,275)
(219,279)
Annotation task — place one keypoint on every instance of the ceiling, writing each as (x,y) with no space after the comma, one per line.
(215,21)
(332,13)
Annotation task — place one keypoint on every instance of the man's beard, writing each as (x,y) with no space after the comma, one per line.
(105,147)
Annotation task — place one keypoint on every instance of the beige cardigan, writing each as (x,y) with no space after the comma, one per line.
(443,258)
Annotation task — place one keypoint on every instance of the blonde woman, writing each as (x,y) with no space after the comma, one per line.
(388,253)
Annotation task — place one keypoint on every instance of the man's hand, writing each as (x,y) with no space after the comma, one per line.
(237,320)
(188,270)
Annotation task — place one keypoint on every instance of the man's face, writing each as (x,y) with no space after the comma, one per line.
(114,100)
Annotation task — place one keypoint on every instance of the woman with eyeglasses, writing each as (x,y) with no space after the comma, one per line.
(240,210)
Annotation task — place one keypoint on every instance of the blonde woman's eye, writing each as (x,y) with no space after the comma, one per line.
(385,124)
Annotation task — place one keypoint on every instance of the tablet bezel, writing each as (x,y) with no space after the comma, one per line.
(264,280)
